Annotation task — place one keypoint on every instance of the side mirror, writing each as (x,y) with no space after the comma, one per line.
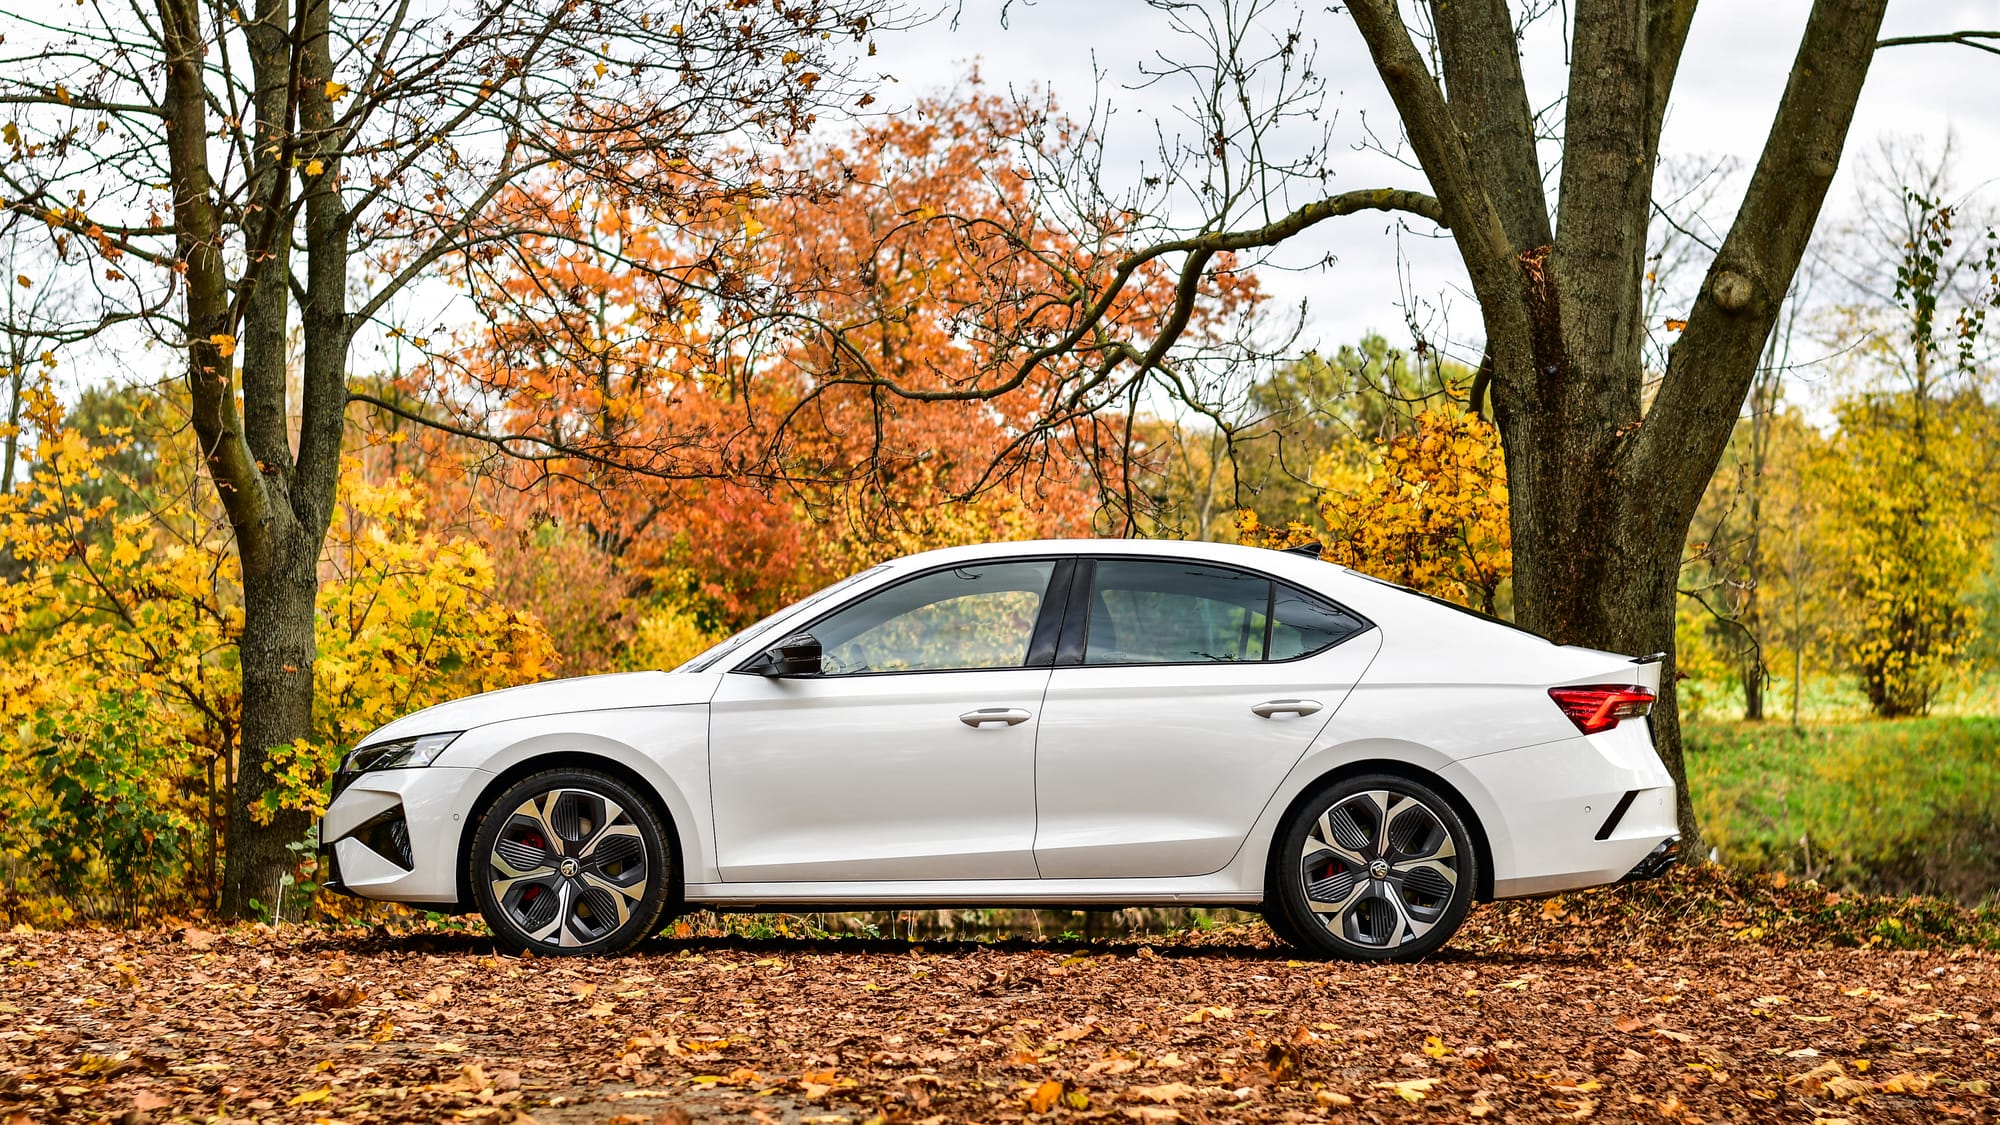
(796,655)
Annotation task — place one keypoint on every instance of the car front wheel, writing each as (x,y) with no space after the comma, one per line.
(1376,868)
(570,862)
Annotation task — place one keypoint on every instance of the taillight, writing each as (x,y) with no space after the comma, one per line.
(1599,707)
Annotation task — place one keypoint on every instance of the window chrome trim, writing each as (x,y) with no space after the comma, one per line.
(1058,578)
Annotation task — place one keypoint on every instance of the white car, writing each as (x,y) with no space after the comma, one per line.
(1074,723)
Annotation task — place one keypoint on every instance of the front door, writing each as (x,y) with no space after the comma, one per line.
(1195,690)
(911,756)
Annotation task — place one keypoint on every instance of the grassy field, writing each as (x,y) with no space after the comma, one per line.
(1895,806)
(1830,699)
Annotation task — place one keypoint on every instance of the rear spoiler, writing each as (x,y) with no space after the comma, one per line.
(1650,658)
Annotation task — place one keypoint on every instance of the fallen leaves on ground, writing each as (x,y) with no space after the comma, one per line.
(252,1024)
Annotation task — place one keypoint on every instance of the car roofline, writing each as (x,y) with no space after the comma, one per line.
(1258,557)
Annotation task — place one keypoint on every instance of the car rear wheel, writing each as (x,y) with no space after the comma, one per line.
(571,862)
(1376,868)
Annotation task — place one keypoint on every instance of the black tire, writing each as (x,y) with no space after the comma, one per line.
(571,863)
(1281,925)
(1370,894)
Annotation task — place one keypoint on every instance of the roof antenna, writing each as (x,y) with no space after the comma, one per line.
(1312,549)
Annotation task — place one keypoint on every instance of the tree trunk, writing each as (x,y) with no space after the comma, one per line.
(280,594)
(278,503)
(1596,553)
(16,380)
(277,661)
(1763,407)
(1750,620)
(1602,486)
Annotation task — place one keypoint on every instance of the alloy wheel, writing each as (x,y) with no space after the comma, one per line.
(1379,869)
(568,868)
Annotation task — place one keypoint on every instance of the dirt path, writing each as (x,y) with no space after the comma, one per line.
(297,1026)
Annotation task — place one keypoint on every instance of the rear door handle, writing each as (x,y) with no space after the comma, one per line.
(1007,715)
(1273,707)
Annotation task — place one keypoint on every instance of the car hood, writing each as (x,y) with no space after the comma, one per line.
(553,697)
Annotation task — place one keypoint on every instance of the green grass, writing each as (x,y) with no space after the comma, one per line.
(1900,806)
(1831,698)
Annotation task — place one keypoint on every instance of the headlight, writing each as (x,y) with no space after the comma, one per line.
(403,753)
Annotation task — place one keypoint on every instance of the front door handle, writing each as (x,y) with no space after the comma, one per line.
(1273,707)
(1007,715)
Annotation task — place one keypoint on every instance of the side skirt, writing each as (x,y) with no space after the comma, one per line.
(1043,893)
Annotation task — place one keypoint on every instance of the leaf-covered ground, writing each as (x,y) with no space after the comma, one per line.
(1540,1012)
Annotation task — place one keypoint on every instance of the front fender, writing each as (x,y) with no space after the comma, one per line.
(667,747)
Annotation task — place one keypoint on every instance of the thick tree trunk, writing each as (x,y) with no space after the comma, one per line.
(278,502)
(1596,551)
(1603,486)
(1626,605)
(277,661)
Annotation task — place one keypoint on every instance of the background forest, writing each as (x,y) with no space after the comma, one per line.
(587,442)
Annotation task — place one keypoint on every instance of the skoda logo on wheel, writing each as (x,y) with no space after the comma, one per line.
(1378,869)
(569,869)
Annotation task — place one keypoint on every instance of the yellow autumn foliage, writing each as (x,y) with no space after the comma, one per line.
(667,636)
(120,691)
(1907,530)
(860,529)
(1426,509)
(405,621)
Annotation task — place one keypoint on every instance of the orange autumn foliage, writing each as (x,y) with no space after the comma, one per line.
(690,388)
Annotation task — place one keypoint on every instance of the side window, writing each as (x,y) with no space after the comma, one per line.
(977,616)
(1151,612)
(1302,624)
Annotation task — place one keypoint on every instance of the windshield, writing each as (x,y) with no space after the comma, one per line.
(701,663)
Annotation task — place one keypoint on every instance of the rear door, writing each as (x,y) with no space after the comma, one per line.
(912,756)
(1183,693)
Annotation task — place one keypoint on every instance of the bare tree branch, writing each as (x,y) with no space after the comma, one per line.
(1988,41)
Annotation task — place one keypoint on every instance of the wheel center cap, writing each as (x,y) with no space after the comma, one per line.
(1378,869)
(569,869)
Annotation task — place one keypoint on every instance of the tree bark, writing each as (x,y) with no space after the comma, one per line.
(277,661)
(1750,618)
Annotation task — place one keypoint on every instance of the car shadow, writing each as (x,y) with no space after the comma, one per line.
(474,943)
(471,943)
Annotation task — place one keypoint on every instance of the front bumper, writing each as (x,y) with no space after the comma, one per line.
(393,835)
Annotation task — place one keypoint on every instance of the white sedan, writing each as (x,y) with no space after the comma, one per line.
(1076,723)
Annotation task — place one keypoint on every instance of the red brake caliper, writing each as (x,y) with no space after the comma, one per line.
(534,890)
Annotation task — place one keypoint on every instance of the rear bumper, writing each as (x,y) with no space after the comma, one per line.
(1579,812)
(1656,862)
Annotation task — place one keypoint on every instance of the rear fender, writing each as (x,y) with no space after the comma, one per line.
(1410,759)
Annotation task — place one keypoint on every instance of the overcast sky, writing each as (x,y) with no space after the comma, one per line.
(1731,75)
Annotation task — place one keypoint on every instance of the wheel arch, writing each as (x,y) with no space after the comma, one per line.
(1482,848)
(585,760)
